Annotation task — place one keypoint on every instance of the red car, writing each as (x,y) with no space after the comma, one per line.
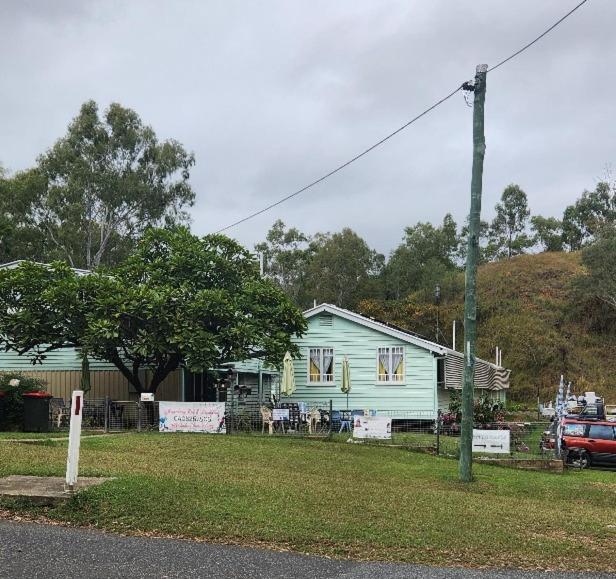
(590,442)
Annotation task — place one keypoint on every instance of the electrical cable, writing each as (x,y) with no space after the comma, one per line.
(398,130)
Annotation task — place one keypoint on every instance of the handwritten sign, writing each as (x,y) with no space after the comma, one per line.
(492,441)
(192,417)
(280,414)
(372,427)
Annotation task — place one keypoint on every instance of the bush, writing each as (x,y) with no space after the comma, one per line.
(485,411)
(14,385)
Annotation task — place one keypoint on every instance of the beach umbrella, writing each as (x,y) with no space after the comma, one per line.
(287,381)
(346,379)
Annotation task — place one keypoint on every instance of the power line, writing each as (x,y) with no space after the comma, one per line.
(398,130)
(340,167)
(538,37)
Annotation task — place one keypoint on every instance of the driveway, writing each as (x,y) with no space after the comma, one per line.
(47,551)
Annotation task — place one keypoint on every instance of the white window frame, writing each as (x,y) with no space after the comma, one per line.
(390,382)
(320,381)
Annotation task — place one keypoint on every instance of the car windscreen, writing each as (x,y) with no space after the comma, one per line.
(601,431)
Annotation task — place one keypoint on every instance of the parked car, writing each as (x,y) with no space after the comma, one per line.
(587,442)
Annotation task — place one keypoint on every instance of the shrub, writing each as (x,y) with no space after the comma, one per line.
(15,385)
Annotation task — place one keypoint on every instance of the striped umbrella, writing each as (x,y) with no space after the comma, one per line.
(287,382)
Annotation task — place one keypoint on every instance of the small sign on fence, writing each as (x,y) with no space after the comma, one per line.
(147,397)
(492,441)
(280,414)
(372,427)
(192,417)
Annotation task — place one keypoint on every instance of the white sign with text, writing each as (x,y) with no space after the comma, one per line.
(372,427)
(279,414)
(492,441)
(192,417)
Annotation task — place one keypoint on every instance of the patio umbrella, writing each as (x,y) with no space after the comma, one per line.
(287,381)
(346,379)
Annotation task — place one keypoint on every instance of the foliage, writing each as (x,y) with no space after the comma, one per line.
(286,254)
(600,261)
(530,308)
(178,299)
(584,219)
(508,235)
(14,385)
(485,411)
(425,256)
(102,184)
(548,232)
(343,268)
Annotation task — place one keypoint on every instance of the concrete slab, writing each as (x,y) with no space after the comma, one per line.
(43,490)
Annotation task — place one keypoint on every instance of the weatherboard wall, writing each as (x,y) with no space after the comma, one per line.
(417,394)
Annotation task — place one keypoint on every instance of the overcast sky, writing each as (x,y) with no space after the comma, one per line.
(270,95)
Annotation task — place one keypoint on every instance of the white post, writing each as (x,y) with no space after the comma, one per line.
(497,355)
(74,439)
(454,335)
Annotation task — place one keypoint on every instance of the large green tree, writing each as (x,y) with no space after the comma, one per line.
(286,254)
(508,235)
(599,259)
(424,257)
(102,184)
(548,232)
(592,211)
(177,300)
(343,269)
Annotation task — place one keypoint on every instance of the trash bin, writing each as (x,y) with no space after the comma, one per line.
(36,411)
(2,412)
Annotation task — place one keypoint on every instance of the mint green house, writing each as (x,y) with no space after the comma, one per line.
(392,371)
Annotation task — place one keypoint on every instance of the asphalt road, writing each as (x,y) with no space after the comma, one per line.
(32,550)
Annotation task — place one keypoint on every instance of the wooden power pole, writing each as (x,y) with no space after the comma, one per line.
(470,293)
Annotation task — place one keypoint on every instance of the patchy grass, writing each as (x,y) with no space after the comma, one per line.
(334,499)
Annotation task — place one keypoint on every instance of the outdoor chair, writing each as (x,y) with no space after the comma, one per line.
(59,411)
(314,419)
(266,418)
(342,417)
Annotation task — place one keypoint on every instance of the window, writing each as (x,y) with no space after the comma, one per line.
(601,432)
(390,364)
(574,429)
(321,365)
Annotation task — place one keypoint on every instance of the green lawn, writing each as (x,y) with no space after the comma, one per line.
(335,499)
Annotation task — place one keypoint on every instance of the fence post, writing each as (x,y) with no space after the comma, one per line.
(329,432)
(139,416)
(106,414)
(438,432)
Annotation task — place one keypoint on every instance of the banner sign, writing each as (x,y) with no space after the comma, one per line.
(374,427)
(280,414)
(492,441)
(192,417)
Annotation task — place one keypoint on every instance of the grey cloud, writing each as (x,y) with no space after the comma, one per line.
(271,95)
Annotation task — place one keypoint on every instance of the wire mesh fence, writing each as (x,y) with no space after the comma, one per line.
(409,429)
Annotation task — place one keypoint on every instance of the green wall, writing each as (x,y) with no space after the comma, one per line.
(415,398)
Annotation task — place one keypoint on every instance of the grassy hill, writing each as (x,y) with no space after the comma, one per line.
(528,308)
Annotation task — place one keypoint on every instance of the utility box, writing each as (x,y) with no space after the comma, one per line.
(36,411)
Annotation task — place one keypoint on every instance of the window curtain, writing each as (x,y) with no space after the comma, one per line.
(328,358)
(384,361)
(396,363)
(315,365)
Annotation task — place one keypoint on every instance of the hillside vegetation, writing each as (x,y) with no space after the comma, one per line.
(527,306)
